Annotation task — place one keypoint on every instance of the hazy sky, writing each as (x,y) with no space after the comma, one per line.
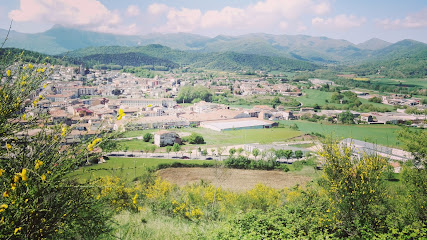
(353,20)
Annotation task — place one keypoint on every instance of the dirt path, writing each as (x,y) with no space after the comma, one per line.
(232,179)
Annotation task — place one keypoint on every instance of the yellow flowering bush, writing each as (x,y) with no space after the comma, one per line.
(355,190)
(118,194)
(38,200)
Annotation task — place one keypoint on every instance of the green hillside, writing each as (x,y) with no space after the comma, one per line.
(404,59)
(159,55)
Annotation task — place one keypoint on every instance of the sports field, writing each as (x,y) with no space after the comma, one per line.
(233,137)
(379,134)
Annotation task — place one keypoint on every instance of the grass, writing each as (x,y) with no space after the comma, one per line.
(318,97)
(225,138)
(380,134)
(150,225)
(134,145)
(312,97)
(125,168)
(410,82)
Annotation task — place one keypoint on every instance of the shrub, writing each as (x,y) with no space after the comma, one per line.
(356,192)
(38,199)
(148,137)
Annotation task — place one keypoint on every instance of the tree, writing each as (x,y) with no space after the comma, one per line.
(255,152)
(147,137)
(276,101)
(153,148)
(176,148)
(232,151)
(195,138)
(204,152)
(346,117)
(239,151)
(415,142)
(168,149)
(299,154)
(220,150)
(287,154)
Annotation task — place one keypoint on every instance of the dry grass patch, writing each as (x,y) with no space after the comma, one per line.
(237,180)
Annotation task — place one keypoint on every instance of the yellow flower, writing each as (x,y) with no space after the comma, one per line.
(43,177)
(8,73)
(38,164)
(13,185)
(24,117)
(17,230)
(24,175)
(3,207)
(30,66)
(6,194)
(8,146)
(121,114)
(16,178)
(35,102)
(1,171)
(134,199)
(64,131)
(45,85)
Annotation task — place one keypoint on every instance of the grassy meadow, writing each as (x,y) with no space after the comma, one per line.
(380,134)
(313,97)
(225,138)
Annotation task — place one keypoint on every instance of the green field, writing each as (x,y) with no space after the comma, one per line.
(318,97)
(379,134)
(264,136)
(410,82)
(312,97)
(125,168)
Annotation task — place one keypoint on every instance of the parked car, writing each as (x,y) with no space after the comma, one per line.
(209,158)
(185,157)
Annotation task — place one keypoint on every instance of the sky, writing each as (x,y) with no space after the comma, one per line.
(352,20)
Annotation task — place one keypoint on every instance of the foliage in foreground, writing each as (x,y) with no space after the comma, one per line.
(37,199)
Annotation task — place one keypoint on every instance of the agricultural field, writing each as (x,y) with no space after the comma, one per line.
(124,168)
(409,82)
(237,180)
(380,134)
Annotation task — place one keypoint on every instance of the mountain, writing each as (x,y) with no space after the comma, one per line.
(158,55)
(374,44)
(404,59)
(320,50)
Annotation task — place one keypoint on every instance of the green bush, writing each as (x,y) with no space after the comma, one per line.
(38,199)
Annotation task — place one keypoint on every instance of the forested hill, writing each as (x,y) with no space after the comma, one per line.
(10,55)
(158,55)
(404,59)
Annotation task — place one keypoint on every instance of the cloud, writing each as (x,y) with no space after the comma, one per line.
(415,20)
(255,17)
(157,8)
(87,14)
(132,10)
(341,21)
(283,25)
